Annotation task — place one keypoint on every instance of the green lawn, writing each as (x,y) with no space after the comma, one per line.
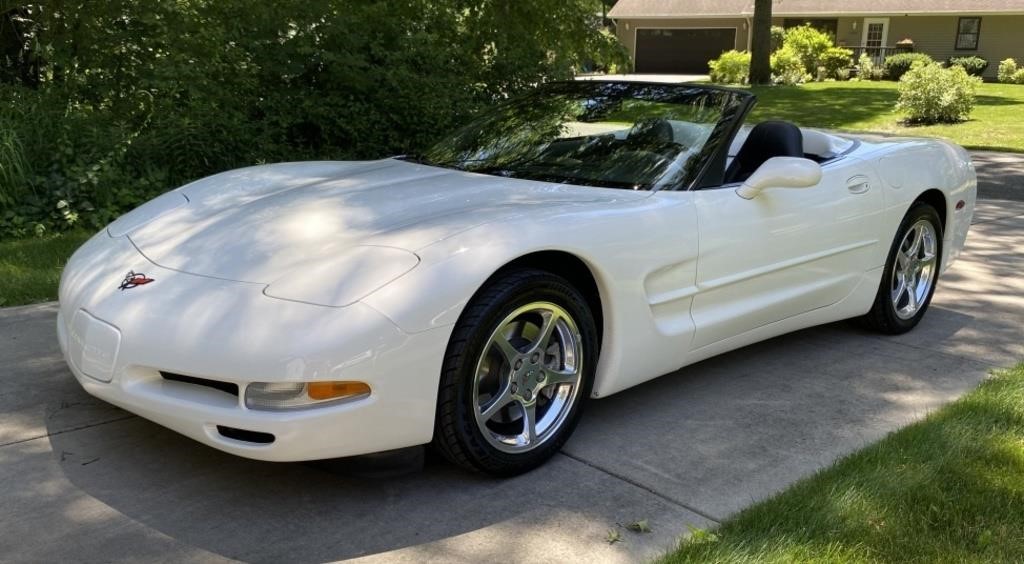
(997,122)
(947,489)
(30,268)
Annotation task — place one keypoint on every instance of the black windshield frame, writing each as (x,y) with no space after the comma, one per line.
(708,163)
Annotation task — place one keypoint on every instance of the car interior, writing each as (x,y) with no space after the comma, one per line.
(766,140)
(653,152)
(621,154)
(752,146)
(655,139)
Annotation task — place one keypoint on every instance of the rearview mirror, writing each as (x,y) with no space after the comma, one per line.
(781,172)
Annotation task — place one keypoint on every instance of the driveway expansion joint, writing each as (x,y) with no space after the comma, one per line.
(648,489)
(888,340)
(69,430)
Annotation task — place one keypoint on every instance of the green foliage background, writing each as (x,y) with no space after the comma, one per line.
(106,104)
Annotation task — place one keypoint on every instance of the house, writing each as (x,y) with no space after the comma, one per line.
(681,36)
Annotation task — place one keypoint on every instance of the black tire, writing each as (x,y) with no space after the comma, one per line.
(883,317)
(456,433)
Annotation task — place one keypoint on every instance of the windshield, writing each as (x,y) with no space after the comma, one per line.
(611,134)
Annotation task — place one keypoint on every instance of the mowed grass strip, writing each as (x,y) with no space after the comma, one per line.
(30,268)
(947,489)
(997,122)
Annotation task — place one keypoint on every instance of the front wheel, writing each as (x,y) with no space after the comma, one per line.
(516,373)
(910,274)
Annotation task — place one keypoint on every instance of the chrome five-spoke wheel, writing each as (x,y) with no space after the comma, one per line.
(528,377)
(913,273)
(910,273)
(517,373)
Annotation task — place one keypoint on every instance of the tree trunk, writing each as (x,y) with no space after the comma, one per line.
(761,43)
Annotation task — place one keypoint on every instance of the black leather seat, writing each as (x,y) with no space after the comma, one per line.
(767,139)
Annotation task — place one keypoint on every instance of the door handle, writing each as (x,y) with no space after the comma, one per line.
(858,184)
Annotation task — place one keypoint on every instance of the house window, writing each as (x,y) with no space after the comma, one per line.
(967,32)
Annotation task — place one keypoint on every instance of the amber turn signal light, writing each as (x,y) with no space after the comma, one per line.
(283,396)
(335,390)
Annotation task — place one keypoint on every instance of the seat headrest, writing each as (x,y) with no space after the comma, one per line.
(651,131)
(766,140)
(775,139)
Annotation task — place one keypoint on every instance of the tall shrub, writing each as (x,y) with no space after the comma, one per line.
(778,37)
(974,65)
(1007,71)
(835,62)
(732,67)
(14,170)
(897,65)
(810,45)
(787,68)
(929,94)
(866,68)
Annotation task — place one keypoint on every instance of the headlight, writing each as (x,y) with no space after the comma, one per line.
(281,396)
(345,278)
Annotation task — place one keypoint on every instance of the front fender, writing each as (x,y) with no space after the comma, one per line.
(625,248)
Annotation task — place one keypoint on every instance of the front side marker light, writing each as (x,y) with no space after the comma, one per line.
(280,396)
(336,390)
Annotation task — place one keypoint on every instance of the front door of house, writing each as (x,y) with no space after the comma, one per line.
(876,34)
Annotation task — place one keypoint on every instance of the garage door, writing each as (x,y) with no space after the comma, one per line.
(685,51)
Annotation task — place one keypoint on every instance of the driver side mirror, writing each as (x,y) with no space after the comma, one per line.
(781,172)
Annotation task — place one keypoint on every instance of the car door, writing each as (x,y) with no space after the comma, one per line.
(785,252)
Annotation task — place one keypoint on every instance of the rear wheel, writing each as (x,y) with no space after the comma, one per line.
(516,374)
(910,274)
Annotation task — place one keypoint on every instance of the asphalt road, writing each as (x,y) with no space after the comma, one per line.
(84,481)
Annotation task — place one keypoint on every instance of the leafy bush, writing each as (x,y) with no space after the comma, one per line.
(865,67)
(897,65)
(1018,77)
(787,68)
(835,62)
(106,104)
(1007,71)
(817,54)
(974,65)
(13,166)
(929,93)
(733,67)
(809,44)
(778,37)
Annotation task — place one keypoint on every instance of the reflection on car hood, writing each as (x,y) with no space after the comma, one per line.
(258,223)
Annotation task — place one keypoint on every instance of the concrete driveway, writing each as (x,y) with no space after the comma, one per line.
(83,481)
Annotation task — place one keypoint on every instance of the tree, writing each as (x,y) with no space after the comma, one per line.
(605,6)
(105,104)
(761,43)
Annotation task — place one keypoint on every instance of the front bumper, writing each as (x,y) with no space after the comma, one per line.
(117,343)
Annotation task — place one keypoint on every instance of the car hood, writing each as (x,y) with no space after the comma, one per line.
(259,223)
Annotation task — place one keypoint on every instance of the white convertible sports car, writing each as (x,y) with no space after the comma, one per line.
(566,245)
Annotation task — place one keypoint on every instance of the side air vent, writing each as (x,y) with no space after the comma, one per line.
(226,387)
(244,435)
